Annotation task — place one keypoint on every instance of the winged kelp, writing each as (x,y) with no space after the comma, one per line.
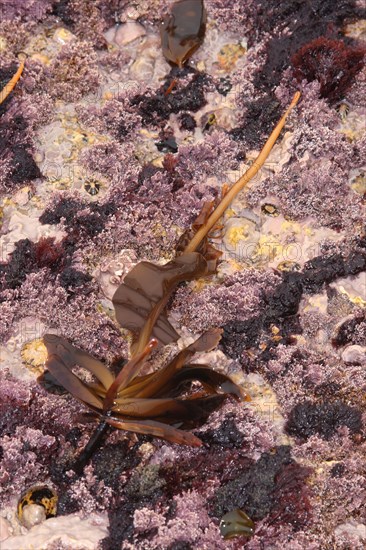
(148,404)
(154,403)
(140,300)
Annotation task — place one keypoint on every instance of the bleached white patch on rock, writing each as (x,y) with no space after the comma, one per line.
(72,531)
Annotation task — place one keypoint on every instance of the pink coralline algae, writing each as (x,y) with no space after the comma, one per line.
(117,117)
(111,159)
(23,456)
(27,10)
(215,157)
(319,190)
(74,72)
(299,473)
(238,297)
(191,525)
(32,427)
(84,19)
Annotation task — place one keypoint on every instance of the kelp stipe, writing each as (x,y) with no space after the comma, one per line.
(9,87)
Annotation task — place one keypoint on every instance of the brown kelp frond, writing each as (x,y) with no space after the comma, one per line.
(211,380)
(128,373)
(241,182)
(71,382)
(176,410)
(157,429)
(146,398)
(71,356)
(153,383)
(139,301)
(158,403)
(183,30)
(9,87)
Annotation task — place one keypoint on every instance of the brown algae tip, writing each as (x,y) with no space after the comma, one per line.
(235,524)
(183,30)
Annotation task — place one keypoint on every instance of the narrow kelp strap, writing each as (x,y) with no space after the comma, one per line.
(9,87)
(241,182)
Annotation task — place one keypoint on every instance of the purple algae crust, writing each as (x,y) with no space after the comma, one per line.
(300,473)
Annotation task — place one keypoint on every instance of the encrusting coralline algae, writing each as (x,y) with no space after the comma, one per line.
(87,109)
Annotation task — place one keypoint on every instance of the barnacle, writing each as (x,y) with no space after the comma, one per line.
(9,87)
(92,187)
(270,209)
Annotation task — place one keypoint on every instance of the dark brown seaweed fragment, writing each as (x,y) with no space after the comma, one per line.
(183,30)
(235,524)
(139,301)
(142,404)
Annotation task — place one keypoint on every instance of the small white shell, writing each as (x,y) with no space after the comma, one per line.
(33,514)
(354,355)
(128,32)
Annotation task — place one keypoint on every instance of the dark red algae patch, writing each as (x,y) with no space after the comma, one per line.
(29,257)
(351,331)
(260,117)
(286,27)
(273,485)
(303,22)
(15,150)
(331,62)
(143,488)
(156,107)
(82,220)
(15,147)
(323,419)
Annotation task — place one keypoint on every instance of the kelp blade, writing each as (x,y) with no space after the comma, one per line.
(156,429)
(150,385)
(147,286)
(72,356)
(183,30)
(72,383)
